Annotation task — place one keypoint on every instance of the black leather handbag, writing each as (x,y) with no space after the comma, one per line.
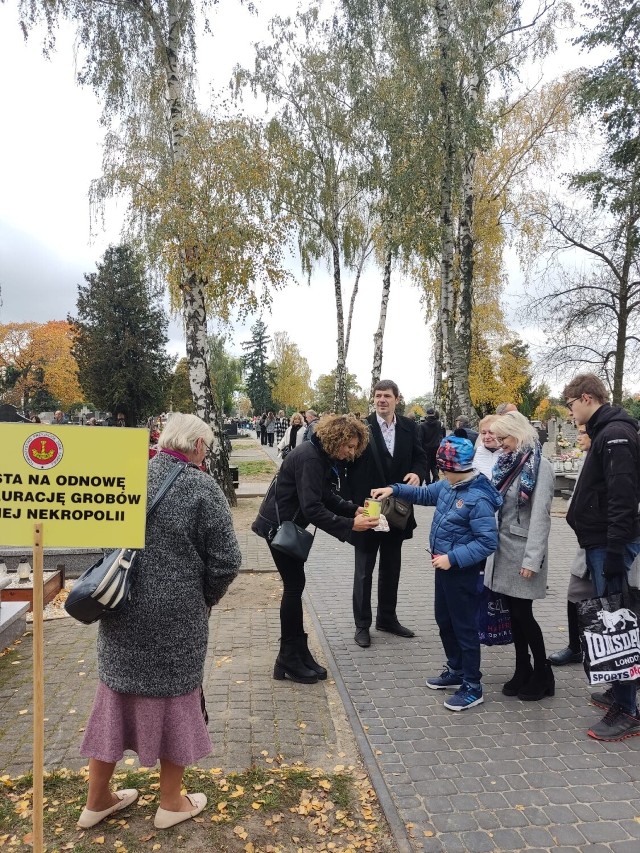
(105,586)
(395,510)
(289,538)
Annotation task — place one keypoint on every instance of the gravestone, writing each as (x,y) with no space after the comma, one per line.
(549,447)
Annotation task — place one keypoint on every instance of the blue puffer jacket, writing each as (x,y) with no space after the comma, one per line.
(464,525)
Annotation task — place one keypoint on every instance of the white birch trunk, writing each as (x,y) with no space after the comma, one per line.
(340,395)
(378,337)
(366,251)
(461,356)
(193,287)
(447,239)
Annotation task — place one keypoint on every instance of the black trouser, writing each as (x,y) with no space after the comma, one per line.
(526,632)
(432,468)
(293,580)
(390,547)
(270,439)
(263,435)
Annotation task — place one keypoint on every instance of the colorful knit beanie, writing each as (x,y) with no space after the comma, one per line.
(455,454)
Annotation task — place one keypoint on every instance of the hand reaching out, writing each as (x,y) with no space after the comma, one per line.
(379,494)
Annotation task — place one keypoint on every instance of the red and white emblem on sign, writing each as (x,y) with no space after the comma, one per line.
(42,450)
(459,503)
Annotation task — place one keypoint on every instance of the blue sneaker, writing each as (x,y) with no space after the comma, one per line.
(444,680)
(466,697)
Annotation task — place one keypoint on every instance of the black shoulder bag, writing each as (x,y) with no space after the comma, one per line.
(105,586)
(289,538)
(395,510)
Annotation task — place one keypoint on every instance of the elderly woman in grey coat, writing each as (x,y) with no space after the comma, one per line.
(519,571)
(151,655)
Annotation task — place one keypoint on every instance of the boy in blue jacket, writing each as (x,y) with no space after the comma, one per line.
(463,534)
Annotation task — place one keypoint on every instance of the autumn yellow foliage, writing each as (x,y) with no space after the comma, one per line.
(41,353)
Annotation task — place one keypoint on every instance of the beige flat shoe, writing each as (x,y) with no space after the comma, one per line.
(88,818)
(165,818)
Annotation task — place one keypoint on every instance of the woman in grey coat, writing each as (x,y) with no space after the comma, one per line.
(151,655)
(519,570)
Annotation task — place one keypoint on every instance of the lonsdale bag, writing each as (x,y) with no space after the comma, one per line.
(494,619)
(610,637)
(105,586)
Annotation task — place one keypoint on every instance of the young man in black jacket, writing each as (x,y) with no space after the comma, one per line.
(604,515)
(402,459)
(431,434)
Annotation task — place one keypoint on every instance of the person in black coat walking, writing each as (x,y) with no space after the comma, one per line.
(431,434)
(402,459)
(305,491)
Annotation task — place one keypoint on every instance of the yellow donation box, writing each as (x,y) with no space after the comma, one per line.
(87,485)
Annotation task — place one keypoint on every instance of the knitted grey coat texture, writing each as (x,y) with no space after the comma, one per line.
(157,645)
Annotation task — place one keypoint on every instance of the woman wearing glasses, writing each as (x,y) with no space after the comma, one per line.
(519,570)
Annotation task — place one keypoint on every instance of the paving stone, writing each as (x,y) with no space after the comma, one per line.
(508,839)
(454,822)
(603,831)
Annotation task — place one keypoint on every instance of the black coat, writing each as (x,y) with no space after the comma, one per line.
(306,493)
(431,433)
(408,458)
(604,507)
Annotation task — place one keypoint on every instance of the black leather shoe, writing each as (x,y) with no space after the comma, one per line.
(397,629)
(565,656)
(363,637)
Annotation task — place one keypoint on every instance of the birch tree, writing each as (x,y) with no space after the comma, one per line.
(315,138)
(139,57)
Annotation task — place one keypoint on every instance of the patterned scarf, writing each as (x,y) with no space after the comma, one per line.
(508,462)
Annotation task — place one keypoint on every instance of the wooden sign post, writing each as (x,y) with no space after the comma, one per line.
(38,689)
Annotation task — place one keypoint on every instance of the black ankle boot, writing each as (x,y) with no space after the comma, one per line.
(309,661)
(289,663)
(523,673)
(542,683)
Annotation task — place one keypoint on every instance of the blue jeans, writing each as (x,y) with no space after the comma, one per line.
(456,612)
(623,693)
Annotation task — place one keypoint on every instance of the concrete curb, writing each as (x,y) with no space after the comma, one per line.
(396,824)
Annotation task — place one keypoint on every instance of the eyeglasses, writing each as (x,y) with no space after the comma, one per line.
(569,403)
(207,446)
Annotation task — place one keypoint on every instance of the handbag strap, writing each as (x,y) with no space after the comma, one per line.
(169,480)
(275,498)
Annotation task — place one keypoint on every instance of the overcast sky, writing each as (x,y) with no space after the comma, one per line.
(50,150)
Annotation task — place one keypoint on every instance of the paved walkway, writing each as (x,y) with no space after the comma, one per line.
(505,776)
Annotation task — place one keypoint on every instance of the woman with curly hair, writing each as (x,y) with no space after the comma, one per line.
(305,488)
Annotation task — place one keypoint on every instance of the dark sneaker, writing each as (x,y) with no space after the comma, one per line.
(444,680)
(466,697)
(603,700)
(615,725)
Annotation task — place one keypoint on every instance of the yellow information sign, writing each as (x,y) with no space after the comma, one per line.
(87,485)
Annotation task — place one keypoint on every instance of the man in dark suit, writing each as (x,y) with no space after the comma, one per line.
(403,461)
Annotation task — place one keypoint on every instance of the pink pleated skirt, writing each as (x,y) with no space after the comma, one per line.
(171,728)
